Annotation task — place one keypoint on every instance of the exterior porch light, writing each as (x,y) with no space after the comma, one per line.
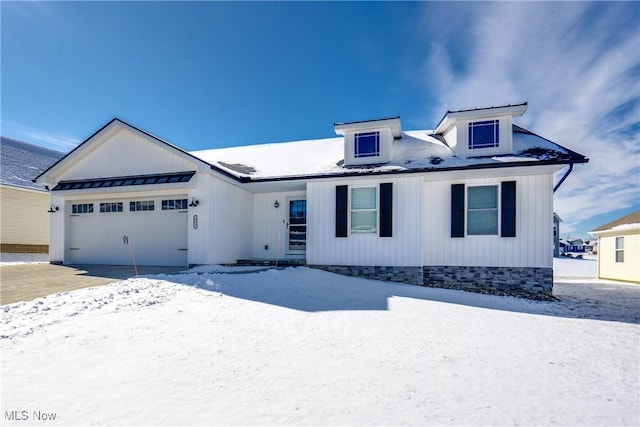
(194,202)
(53,209)
(276,204)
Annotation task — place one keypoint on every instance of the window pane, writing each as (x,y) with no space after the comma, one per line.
(483,197)
(483,134)
(367,144)
(482,218)
(619,256)
(619,242)
(482,222)
(363,222)
(363,198)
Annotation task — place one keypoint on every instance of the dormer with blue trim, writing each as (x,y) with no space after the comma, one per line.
(480,132)
(368,142)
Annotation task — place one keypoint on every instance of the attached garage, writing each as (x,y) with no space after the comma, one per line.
(147,231)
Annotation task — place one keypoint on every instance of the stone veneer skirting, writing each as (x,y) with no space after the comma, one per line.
(528,282)
(411,275)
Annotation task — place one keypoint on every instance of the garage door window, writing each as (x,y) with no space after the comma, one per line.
(144,205)
(111,207)
(174,204)
(82,208)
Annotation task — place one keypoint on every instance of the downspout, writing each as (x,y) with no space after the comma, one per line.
(563,178)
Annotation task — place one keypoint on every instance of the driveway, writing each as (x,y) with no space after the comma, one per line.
(24,282)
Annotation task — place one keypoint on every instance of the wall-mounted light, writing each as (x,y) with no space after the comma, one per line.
(53,209)
(194,202)
(276,204)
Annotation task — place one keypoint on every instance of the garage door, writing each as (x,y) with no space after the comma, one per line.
(152,231)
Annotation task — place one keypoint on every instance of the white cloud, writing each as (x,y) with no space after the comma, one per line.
(577,64)
(38,137)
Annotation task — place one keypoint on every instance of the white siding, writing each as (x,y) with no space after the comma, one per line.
(224,222)
(126,153)
(57,233)
(532,246)
(270,224)
(24,216)
(403,249)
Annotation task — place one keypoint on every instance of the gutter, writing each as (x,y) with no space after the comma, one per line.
(566,175)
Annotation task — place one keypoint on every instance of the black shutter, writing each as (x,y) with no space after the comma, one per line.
(341,210)
(508,209)
(457,210)
(386,209)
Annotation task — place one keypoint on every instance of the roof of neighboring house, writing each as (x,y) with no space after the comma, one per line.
(628,221)
(21,162)
(414,151)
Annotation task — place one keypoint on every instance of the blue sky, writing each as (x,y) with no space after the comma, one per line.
(215,74)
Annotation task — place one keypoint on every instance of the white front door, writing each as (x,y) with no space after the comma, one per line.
(297,225)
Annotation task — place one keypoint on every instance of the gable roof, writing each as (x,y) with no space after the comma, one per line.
(628,221)
(21,163)
(121,123)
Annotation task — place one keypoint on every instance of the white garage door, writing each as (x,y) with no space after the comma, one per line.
(151,231)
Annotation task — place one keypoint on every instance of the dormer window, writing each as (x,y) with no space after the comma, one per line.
(481,131)
(485,134)
(367,144)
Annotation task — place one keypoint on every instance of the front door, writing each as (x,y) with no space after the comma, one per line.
(297,241)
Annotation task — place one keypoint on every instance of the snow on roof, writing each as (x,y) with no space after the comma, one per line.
(627,222)
(21,162)
(414,151)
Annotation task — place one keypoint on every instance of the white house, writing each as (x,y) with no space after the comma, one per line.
(466,205)
(24,219)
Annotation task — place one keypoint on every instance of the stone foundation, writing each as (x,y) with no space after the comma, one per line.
(410,275)
(528,282)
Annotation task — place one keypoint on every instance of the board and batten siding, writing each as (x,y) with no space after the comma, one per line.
(126,153)
(532,246)
(270,224)
(24,216)
(223,233)
(57,227)
(608,268)
(402,249)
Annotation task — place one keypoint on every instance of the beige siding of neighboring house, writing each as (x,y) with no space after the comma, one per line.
(24,220)
(608,268)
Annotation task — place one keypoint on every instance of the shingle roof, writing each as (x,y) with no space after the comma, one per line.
(632,218)
(21,162)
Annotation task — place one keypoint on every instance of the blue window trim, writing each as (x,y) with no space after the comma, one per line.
(485,134)
(366,144)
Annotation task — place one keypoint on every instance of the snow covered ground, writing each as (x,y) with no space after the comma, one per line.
(20,258)
(302,346)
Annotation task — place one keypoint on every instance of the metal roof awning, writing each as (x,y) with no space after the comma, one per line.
(124,181)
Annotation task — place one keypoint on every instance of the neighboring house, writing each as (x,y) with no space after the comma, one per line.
(572,245)
(464,206)
(619,249)
(556,234)
(23,205)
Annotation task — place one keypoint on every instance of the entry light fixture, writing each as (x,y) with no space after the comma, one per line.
(194,202)
(276,204)
(53,209)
